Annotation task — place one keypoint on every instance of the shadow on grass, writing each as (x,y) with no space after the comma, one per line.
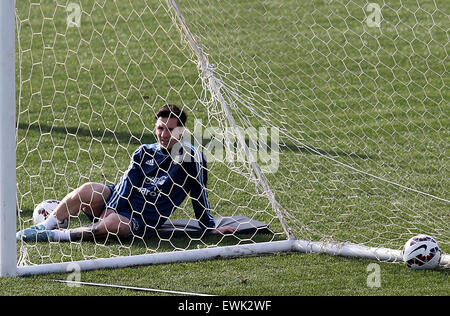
(119,137)
(122,137)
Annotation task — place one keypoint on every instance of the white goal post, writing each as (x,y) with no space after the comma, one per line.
(8,261)
(347,178)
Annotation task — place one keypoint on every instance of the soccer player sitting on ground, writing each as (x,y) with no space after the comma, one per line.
(152,187)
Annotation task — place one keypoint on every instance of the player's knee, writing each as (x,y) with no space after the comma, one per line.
(116,224)
(85,192)
(83,189)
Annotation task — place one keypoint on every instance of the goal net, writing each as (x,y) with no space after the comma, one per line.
(327,120)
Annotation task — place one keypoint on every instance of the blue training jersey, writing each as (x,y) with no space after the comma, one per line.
(156,183)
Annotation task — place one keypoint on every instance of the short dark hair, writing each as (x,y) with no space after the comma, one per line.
(171,110)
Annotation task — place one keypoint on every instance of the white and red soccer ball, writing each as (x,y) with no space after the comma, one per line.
(422,252)
(44,209)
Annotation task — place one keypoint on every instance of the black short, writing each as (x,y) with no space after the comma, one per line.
(137,224)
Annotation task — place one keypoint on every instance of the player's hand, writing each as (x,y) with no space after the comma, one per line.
(224,230)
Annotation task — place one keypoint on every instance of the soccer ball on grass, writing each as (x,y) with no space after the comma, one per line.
(422,252)
(44,209)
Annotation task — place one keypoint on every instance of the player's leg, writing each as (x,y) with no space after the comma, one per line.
(91,197)
(110,222)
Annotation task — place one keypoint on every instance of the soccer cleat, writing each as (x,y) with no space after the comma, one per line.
(37,227)
(36,233)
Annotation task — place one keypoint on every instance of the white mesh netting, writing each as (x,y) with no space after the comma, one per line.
(343,104)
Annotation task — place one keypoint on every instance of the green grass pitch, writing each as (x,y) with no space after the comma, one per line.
(368,97)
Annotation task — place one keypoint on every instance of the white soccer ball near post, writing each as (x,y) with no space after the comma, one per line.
(422,252)
(44,209)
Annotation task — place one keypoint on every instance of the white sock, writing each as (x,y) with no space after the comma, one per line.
(61,234)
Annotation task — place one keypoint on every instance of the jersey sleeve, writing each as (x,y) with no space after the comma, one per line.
(198,192)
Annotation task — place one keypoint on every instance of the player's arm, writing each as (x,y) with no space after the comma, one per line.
(199,197)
